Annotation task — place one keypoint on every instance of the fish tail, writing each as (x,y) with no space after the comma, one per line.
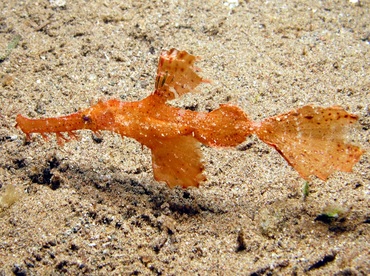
(312,139)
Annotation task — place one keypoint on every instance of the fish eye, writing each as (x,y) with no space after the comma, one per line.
(86,118)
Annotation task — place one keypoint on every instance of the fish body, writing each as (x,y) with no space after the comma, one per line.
(309,138)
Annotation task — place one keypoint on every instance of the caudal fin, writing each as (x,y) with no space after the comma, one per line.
(312,139)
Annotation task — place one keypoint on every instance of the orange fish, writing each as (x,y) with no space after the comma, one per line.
(309,138)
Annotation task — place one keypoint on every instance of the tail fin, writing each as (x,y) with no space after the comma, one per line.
(311,139)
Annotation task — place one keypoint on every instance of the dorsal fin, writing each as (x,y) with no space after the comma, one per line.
(176,74)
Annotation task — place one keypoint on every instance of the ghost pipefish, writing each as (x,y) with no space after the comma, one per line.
(310,138)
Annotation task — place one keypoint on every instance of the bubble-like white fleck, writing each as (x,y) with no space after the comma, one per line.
(58,3)
(231,3)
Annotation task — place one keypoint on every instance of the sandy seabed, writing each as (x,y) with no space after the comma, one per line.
(92,207)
